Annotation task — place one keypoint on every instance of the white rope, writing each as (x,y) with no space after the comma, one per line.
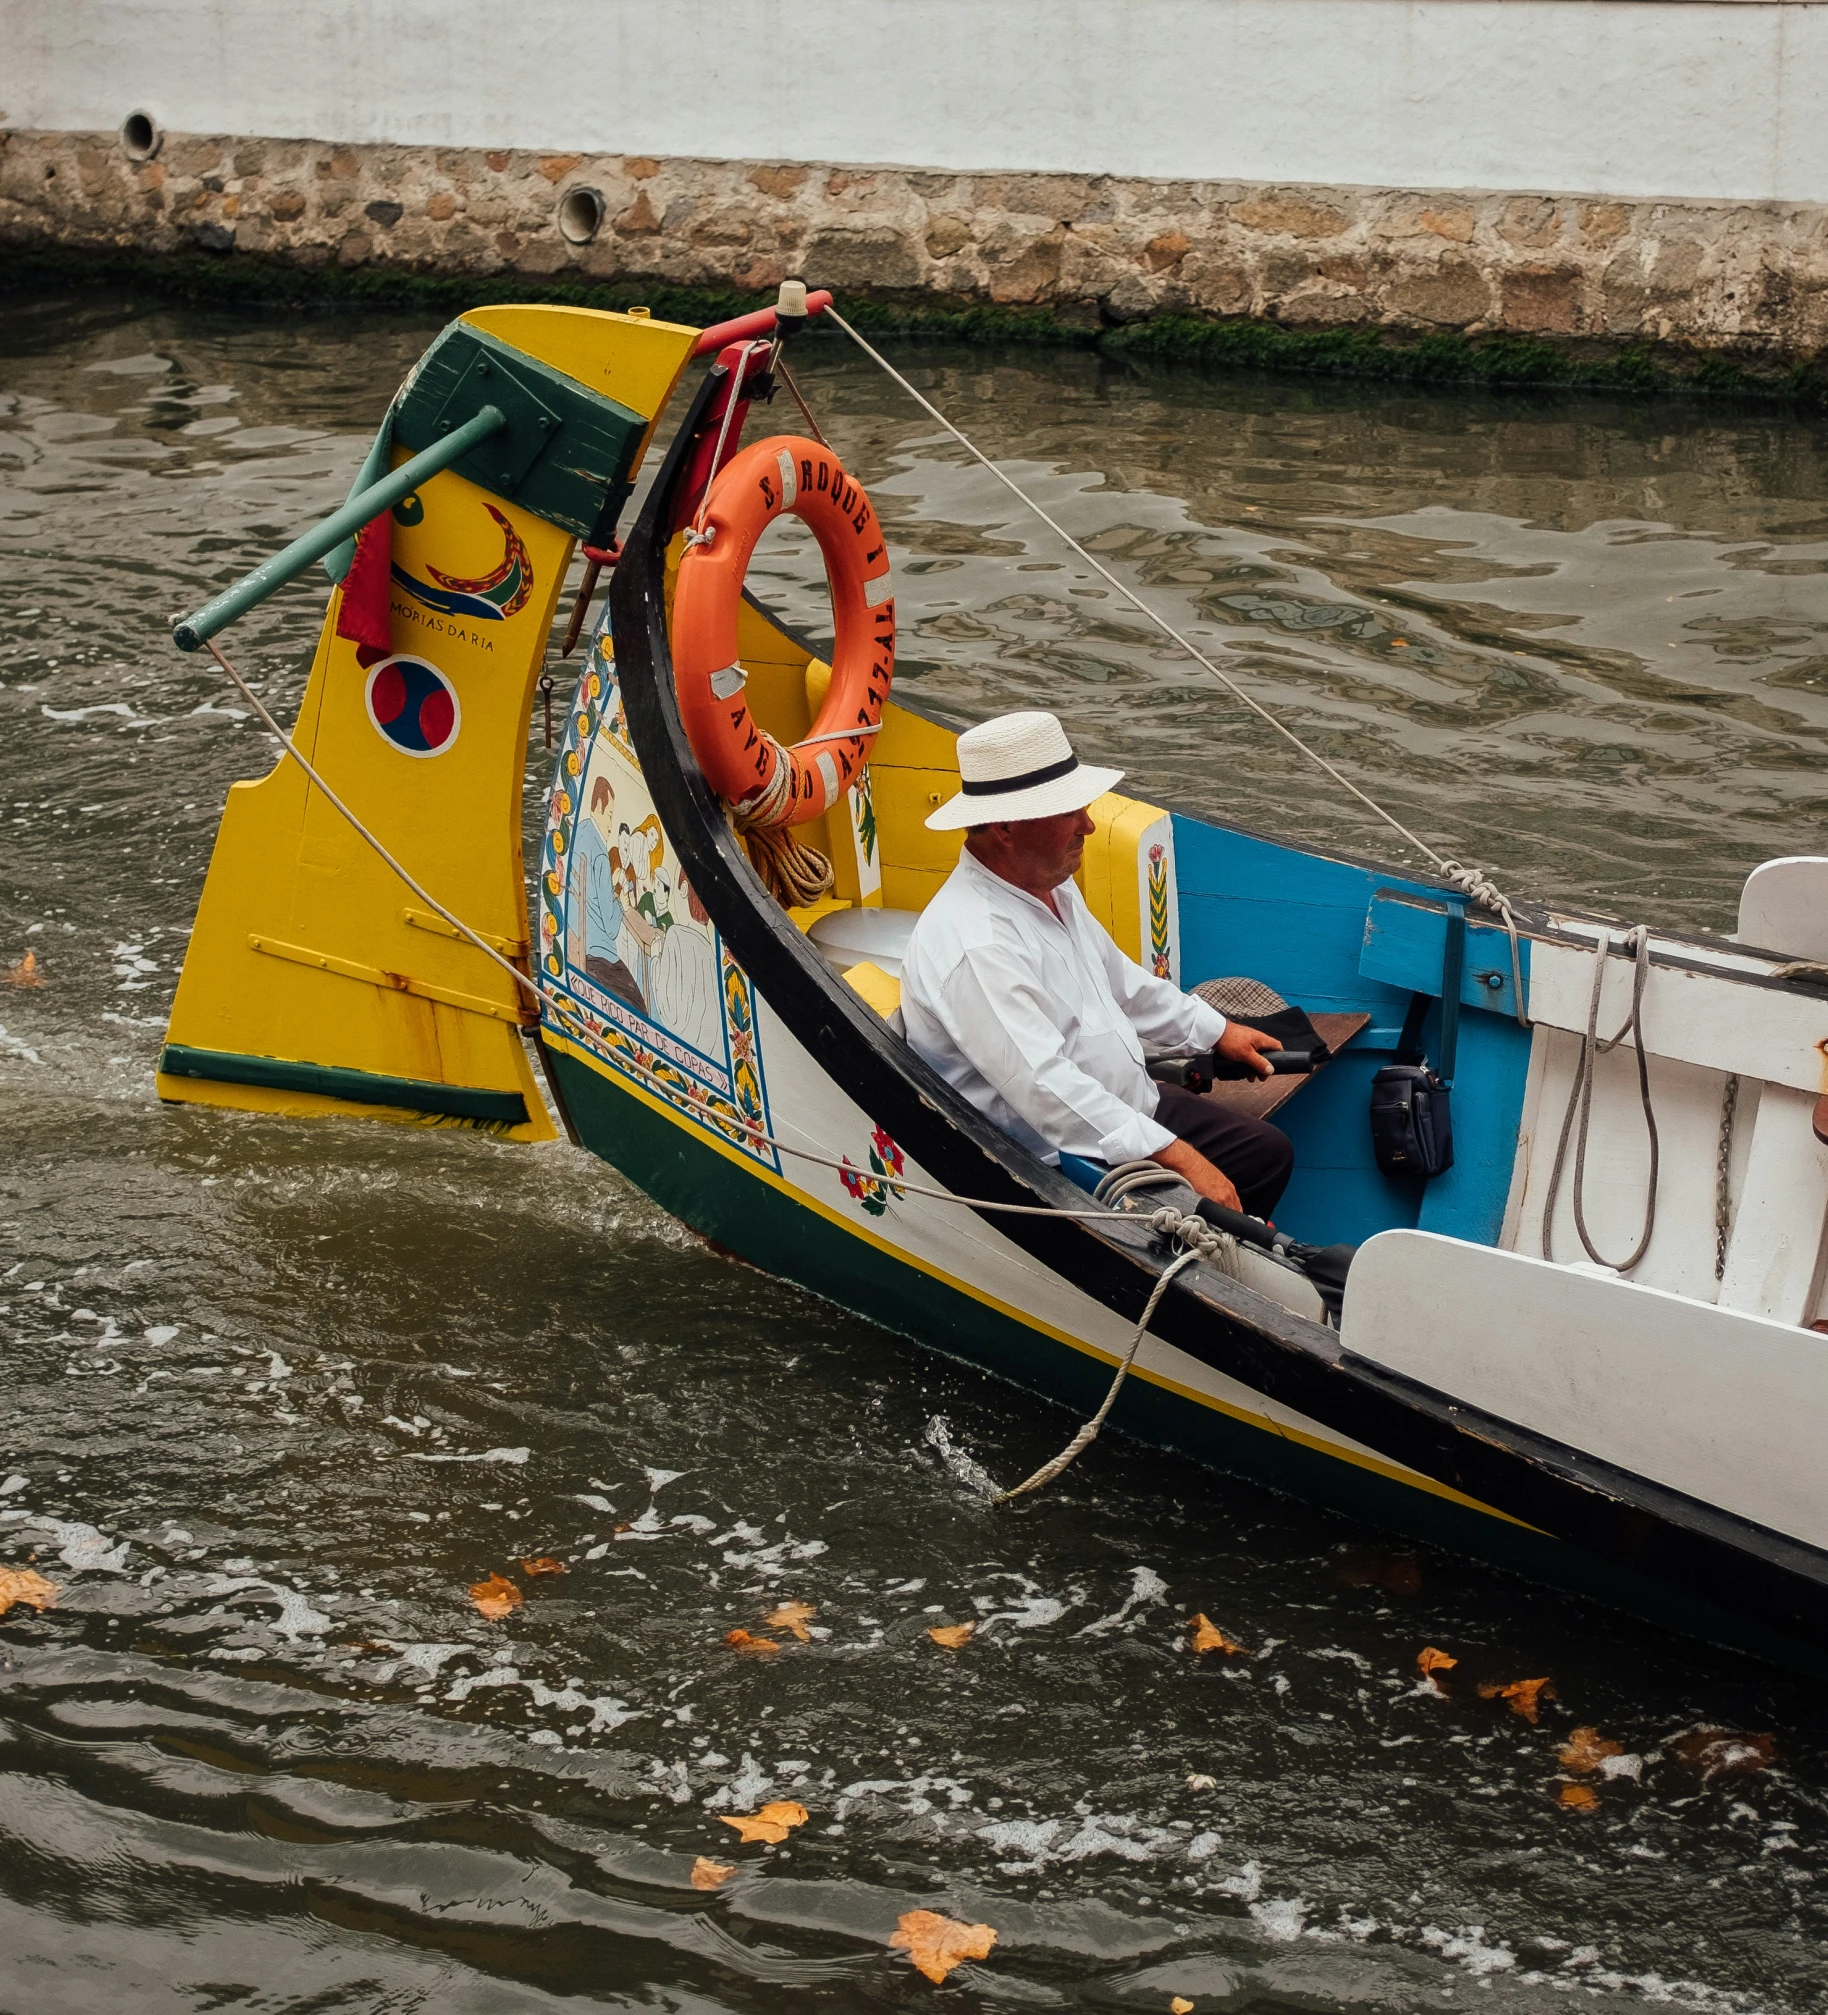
(1164,1220)
(1475,884)
(697,535)
(1135,600)
(1089,1432)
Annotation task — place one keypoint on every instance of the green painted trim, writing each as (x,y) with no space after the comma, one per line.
(768,1229)
(1494,362)
(358,1087)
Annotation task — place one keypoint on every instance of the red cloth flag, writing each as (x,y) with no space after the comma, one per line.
(363,618)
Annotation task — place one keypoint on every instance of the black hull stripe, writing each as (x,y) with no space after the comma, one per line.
(1778,1586)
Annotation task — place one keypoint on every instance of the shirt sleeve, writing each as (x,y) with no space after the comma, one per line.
(993,1010)
(1167,1020)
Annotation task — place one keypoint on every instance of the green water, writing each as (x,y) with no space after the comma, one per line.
(265,1389)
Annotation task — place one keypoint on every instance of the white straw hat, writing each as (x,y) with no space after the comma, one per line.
(1019,766)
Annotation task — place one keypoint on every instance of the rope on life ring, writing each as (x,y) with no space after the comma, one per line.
(771,789)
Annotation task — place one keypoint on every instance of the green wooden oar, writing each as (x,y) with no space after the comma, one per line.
(190,632)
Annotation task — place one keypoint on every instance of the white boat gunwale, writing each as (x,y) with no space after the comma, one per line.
(1641,1527)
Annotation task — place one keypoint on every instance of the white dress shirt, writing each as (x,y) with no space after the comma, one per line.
(1040,1021)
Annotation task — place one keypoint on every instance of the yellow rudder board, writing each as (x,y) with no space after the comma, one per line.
(316,981)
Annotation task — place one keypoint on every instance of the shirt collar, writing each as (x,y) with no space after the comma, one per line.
(970,861)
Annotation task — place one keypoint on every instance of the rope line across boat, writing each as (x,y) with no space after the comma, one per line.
(1470,881)
(1199,1239)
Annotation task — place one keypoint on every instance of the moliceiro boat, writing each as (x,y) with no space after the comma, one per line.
(1587,1345)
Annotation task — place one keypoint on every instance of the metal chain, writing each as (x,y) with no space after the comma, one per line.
(1723,1179)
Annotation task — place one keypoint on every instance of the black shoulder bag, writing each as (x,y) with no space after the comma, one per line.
(1412,1129)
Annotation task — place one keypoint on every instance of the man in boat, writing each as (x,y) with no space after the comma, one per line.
(1017,996)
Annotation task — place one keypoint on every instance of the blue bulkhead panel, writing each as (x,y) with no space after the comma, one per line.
(1300,923)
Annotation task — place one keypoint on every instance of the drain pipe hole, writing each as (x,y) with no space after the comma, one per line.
(580,215)
(141,136)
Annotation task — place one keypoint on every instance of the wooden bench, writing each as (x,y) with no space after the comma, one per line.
(1258,1097)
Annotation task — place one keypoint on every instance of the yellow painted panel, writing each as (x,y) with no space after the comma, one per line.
(629,358)
(882,990)
(287,867)
(924,745)
(805,915)
(761,639)
(903,800)
(911,888)
(1109,877)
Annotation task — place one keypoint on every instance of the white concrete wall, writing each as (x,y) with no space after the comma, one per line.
(1690,98)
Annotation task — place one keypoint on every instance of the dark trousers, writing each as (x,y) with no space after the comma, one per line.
(1255,1155)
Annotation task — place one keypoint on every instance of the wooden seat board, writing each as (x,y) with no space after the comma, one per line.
(1257,1098)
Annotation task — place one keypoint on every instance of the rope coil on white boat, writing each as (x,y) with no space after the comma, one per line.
(1580,1098)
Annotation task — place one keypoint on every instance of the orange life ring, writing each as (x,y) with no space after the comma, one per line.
(739,760)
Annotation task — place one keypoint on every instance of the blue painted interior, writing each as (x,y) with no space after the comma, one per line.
(1299,923)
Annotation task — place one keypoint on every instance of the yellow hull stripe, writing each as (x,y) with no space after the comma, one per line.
(1393,1472)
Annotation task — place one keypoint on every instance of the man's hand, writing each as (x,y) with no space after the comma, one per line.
(1193,1167)
(1240,1045)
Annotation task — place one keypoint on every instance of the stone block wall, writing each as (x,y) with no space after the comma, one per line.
(1750,279)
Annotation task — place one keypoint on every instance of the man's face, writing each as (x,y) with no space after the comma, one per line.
(1052,848)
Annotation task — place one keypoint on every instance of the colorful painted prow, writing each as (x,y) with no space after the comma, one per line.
(314,982)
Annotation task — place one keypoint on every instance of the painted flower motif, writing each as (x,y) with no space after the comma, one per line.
(886,1159)
(1156,853)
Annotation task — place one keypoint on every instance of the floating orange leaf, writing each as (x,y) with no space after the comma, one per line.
(709,1874)
(792,1616)
(496,1597)
(771,1824)
(751,1647)
(1585,1750)
(544,1564)
(936,1944)
(1180,2005)
(1580,1797)
(951,1635)
(24,1584)
(1207,1636)
(1428,1659)
(1719,1752)
(25,973)
(1524,1695)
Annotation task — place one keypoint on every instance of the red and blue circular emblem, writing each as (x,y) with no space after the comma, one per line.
(414,705)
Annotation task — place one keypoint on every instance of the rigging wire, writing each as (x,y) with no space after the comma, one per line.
(1471,881)
(1198,1239)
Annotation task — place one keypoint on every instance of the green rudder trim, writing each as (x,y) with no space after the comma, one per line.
(358,1087)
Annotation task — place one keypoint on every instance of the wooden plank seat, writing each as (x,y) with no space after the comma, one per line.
(1258,1098)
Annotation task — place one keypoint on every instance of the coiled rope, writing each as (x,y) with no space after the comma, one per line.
(1199,1239)
(1580,1096)
(1471,881)
(791,871)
